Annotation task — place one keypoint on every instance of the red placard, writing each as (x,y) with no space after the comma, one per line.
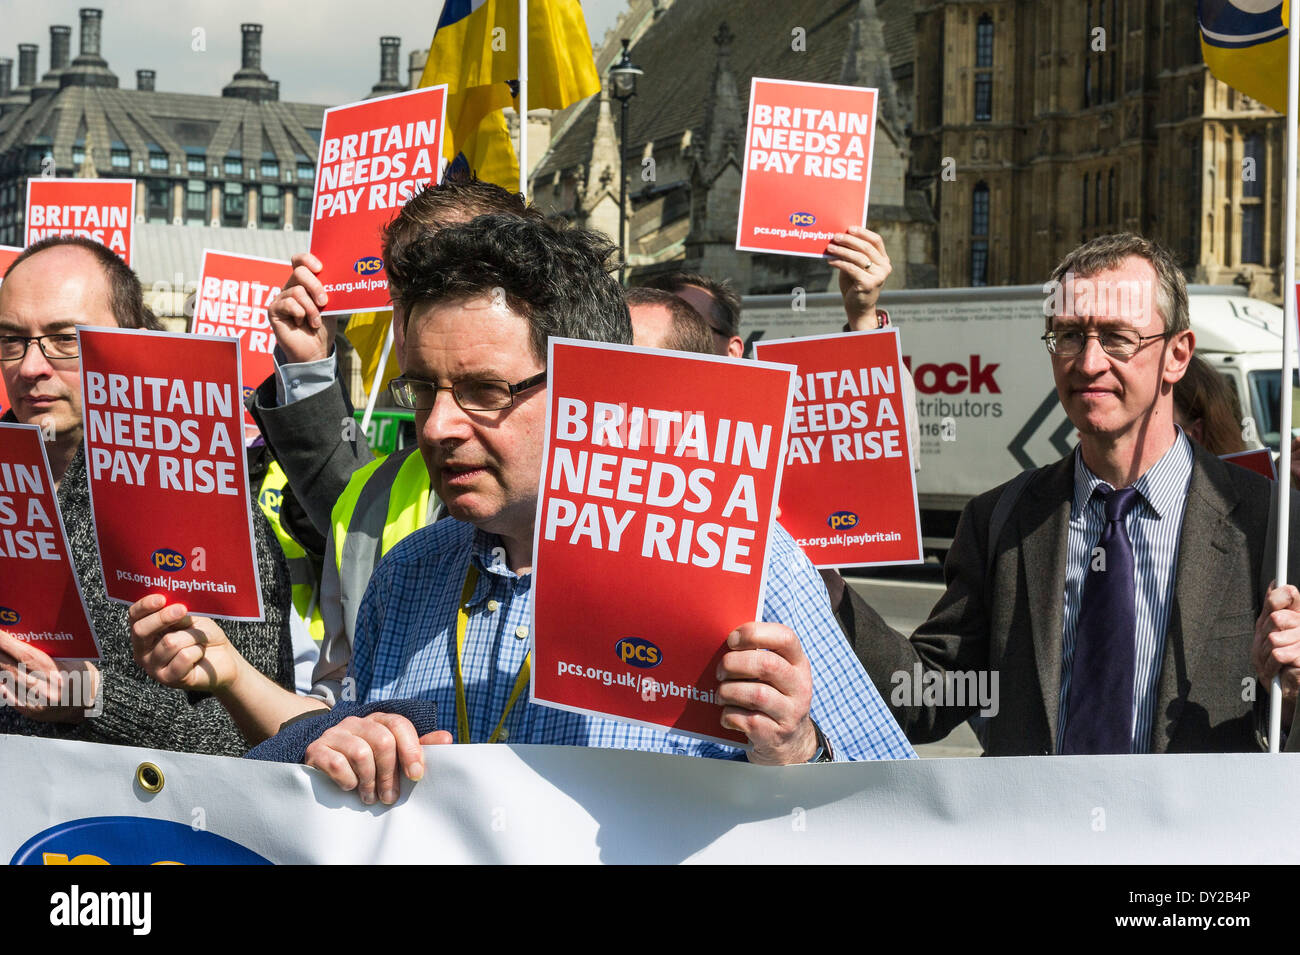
(7,255)
(168,477)
(849,495)
(1260,461)
(40,596)
(807,165)
(99,209)
(374,155)
(235,292)
(654,516)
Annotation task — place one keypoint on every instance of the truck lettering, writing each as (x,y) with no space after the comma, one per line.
(953,378)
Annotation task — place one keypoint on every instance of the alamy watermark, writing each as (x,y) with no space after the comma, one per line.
(961,688)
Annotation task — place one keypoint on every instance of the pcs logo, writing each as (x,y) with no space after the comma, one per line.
(164,558)
(367,265)
(802,219)
(842,520)
(8,616)
(271,499)
(637,652)
(131,840)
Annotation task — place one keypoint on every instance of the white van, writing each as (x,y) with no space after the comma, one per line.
(985,395)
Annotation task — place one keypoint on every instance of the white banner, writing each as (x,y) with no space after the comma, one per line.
(514,804)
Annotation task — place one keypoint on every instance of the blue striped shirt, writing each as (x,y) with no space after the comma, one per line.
(406,648)
(1154,525)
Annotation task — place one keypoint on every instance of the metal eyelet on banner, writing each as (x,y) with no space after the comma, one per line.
(149,778)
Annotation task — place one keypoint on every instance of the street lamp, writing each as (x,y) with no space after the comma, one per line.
(623,76)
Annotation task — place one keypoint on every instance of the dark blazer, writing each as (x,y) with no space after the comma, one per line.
(308,438)
(1006,615)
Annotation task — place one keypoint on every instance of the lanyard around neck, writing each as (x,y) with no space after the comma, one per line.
(521,681)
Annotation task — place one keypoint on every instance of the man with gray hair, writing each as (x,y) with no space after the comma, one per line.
(1120,596)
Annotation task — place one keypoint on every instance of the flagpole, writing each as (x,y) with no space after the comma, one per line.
(378,382)
(522,151)
(1288,346)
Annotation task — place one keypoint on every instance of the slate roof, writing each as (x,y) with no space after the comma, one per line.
(179,124)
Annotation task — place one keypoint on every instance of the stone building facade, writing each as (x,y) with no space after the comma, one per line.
(685,141)
(241,160)
(1040,124)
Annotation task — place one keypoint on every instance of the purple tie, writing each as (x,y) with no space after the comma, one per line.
(1099,709)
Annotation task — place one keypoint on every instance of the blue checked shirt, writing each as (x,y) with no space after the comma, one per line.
(1154,525)
(406,648)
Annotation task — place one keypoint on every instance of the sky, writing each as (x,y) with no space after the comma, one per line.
(328,57)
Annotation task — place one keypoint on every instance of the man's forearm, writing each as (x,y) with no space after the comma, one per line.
(259,706)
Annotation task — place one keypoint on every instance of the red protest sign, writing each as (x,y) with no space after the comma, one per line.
(1260,461)
(168,478)
(235,292)
(374,155)
(40,596)
(99,209)
(807,165)
(7,255)
(653,521)
(848,497)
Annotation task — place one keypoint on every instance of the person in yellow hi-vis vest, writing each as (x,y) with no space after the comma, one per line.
(384,501)
(302,573)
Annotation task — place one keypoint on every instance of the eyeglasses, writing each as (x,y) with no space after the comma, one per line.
(1117,342)
(14,347)
(478,394)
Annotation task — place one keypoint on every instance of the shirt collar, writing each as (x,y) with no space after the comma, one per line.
(488,556)
(1162,487)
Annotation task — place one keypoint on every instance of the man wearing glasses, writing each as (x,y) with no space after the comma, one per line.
(483,301)
(1119,594)
(52,287)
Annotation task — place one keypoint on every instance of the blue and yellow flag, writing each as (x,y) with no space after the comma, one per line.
(1244,43)
(475,51)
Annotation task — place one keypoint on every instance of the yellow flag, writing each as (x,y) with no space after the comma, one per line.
(1246,47)
(366,331)
(475,51)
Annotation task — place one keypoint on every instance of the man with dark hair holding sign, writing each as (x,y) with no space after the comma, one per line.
(51,288)
(486,298)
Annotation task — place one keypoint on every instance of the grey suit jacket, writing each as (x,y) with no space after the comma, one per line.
(1006,614)
(308,438)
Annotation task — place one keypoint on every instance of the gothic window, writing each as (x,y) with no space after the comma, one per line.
(979,211)
(984,69)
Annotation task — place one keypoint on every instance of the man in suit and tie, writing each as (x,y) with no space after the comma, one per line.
(1122,605)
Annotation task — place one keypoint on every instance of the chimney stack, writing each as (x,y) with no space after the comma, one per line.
(91,21)
(27,65)
(415,67)
(60,47)
(144,80)
(390,55)
(60,41)
(252,47)
(250,82)
(89,68)
(390,50)
(6,76)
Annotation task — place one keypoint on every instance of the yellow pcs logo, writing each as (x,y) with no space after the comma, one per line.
(842,520)
(802,219)
(367,265)
(165,558)
(9,616)
(638,652)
